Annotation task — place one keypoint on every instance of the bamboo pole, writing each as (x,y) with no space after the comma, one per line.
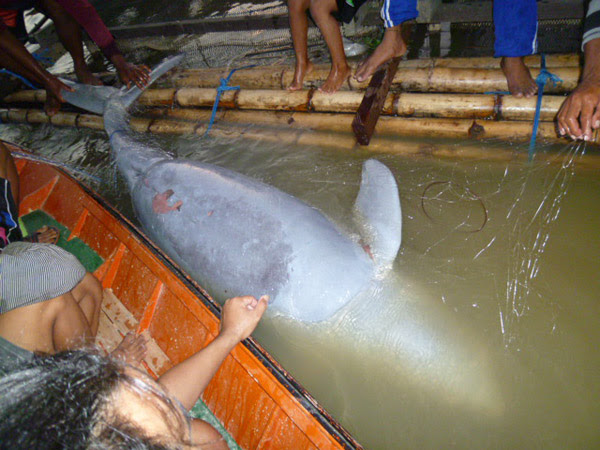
(61,118)
(500,107)
(418,79)
(483,62)
(488,62)
(330,139)
(388,125)
(401,104)
(185,121)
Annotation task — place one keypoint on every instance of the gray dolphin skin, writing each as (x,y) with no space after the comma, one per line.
(238,236)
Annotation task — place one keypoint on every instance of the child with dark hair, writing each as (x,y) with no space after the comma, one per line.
(325,14)
(81,400)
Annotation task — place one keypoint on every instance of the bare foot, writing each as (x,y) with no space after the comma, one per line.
(45,235)
(518,77)
(303,68)
(131,350)
(52,104)
(85,76)
(336,78)
(392,46)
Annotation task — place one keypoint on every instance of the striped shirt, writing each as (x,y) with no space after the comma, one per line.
(591,28)
(32,273)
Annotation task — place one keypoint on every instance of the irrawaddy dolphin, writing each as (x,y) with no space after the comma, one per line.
(237,235)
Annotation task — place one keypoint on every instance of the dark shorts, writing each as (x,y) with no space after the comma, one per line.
(9,216)
(347,9)
(12,356)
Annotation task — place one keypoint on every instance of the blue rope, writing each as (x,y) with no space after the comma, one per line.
(41,57)
(16,75)
(223,87)
(541,81)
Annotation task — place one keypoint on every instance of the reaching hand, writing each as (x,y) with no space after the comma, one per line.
(580,112)
(130,73)
(54,96)
(241,315)
(54,87)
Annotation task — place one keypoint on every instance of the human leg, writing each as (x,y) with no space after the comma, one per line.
(394,13)
(321,11)
(515,25)
(299,30)
(69,33)
(8,171)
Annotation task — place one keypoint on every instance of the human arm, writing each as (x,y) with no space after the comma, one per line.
(188,379)
(19,60)
(89,19)
(580,112)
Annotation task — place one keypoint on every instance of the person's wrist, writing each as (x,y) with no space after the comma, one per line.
(229,338)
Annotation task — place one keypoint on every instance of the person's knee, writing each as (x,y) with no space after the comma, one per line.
(206,436)
(297,7)
(322,9)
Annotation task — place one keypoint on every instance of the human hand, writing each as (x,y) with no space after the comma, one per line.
(241,315)
(54,87)
(580,112)
(130,73)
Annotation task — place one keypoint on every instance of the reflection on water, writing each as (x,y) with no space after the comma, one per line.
(485,332)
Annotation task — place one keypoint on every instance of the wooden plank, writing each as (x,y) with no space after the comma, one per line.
(369,110)
(115,322)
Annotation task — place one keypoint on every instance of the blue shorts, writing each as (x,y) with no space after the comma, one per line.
(515,24)
(394,12)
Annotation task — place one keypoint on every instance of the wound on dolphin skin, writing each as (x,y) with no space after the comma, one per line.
(160,203)
(367,248)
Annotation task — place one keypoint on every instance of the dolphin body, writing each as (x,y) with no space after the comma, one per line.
(237,235)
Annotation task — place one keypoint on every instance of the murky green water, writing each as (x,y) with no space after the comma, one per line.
(485,333)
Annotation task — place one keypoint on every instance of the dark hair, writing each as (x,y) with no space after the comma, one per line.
(65,401)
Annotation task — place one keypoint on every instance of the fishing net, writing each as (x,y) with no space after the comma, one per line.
(484,332)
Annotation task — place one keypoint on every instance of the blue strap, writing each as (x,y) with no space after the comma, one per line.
(41,57)
(541,81)
(223,87)
(16,75)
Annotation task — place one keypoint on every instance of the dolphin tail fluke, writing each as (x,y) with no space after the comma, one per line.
(90,98)
(379,211)
(129,96)
(95,98)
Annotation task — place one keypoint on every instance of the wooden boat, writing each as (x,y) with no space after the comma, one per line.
(257,401)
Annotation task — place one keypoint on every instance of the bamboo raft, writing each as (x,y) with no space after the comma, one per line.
(257,401)
(428,99)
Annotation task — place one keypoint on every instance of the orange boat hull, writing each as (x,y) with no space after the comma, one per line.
(259,404)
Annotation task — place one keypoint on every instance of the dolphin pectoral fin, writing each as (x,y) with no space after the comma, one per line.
(380,216)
